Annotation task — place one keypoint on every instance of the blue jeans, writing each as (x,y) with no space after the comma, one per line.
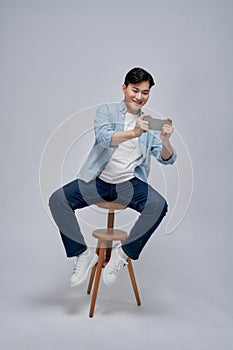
(134,193)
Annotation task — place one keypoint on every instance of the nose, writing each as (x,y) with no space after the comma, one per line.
(139,95)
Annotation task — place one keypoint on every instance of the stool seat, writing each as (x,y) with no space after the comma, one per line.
(109,234)
(111,206)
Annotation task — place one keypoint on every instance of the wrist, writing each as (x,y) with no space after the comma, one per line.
(166,144)
(167,150)
(136,132)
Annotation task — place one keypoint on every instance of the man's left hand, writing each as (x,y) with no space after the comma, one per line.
(166,131)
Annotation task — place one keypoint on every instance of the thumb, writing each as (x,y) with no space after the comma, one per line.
(145,115)
(169,119)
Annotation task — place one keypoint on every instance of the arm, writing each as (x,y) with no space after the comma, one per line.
(104,126)
(121,136)
(161,147)
(165,134)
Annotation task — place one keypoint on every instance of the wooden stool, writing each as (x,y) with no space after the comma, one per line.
(104,246)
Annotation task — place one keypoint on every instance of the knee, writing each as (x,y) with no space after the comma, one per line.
(158,205)
(162,206)
(165,207)
(57,198)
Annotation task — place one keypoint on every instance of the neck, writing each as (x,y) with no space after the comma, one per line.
(132,111)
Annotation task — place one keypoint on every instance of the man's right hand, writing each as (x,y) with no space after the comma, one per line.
(141,125)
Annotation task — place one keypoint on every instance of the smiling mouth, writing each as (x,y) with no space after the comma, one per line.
(137,102)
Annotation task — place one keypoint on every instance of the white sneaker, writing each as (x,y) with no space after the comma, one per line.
(84,262)
(117,261)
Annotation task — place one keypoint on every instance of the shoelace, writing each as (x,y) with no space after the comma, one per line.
(118,264)
(77,265)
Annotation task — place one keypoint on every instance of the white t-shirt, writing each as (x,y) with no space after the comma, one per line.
(121,165)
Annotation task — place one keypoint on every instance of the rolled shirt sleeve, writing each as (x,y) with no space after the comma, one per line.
(103,127)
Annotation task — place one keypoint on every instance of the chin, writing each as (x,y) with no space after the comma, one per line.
(134,108)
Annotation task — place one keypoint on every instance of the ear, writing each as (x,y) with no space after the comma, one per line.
(123,88)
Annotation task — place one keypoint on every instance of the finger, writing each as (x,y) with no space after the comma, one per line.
(143,122)
(145,126)
(167,127)
(169,119)
(145,115)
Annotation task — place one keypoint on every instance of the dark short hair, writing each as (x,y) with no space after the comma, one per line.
(137,75)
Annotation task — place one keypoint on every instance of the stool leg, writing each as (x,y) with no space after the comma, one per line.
(111,217)
(133,281)
(91,279)
(97,279)
(110,224)
(108,250)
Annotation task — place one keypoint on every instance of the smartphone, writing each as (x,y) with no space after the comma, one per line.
(156,124)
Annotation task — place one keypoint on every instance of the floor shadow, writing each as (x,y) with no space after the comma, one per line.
(117,299)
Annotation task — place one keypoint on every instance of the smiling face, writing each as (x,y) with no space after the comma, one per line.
(136,96)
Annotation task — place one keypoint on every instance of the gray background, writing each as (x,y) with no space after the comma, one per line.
(58,57)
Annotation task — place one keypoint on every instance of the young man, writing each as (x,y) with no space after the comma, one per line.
(116,170)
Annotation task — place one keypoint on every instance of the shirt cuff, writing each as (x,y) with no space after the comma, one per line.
(170,160)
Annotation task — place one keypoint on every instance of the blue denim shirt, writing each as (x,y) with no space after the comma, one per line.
(110,118)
